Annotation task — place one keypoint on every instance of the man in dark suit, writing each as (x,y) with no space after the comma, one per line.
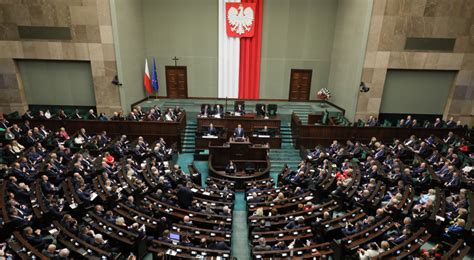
(132,116)
(211,130)
(25,127)
(205,110)
(357,150)
(4,123)
(380,154)
(451,123)
(219,245)
(371,122)
(29,139)
(455,181)
(28,115)
(425,179)
(230,168)
(76,115)
(34,238)
(424,150)
(185,196)
(262,110)
(438,123)
(21,191)
(239,132)
(408,121)
(83,194)
(23,175)
(451,139)
(240,109)
(46,186)
(91,115)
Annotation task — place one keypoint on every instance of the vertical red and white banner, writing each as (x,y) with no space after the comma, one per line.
(240,30)
(250,57)
(229,57)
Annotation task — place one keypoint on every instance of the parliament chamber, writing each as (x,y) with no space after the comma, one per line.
(237,129)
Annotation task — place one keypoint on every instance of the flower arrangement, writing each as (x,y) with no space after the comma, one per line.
(324,94)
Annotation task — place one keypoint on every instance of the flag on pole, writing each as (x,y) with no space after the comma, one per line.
(154,77)
(146,79)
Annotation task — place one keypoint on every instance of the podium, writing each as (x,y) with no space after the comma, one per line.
(242,153)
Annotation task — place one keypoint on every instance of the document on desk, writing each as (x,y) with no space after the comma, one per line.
(209,136)
(93,196)
(171,252)
(263,136)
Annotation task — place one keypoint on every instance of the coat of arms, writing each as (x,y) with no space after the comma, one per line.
(240,19)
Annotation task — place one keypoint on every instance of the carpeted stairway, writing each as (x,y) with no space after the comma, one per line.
(189,136)
(240,230)
(278,157)
(286,155)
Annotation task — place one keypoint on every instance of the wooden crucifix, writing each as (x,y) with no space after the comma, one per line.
(175,61)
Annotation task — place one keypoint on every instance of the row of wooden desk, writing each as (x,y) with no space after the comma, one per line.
(151,131)
(228,123)
(309,136)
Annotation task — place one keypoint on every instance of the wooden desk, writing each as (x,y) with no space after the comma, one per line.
(309,136)
(249,122)
(202,143)
(150,130)
(240,153)
(237,151)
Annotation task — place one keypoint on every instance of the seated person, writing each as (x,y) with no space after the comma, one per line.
(211,130)
(218,111)
(239,108)
(265,131)
(205,110)
(230,168)
(239,132)
(455,229)
(34,237)
(371,122)
(372,251)
(262,245)
(262,110)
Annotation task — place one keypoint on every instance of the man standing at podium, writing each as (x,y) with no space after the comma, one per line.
(211,130)
(239,132)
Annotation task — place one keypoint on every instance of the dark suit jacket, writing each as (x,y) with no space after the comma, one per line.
(239,133)
(212,131)
(241,110)
(455,182)
(218,111)
(185,197)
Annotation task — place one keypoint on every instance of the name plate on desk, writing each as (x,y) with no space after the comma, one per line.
(209,136)
(263,136)
(237,114)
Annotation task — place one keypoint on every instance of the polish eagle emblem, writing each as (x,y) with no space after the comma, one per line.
(240,19)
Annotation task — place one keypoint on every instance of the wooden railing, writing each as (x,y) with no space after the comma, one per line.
(309,136)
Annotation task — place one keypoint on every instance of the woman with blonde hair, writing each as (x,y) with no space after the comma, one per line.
(258,212)
(279,197)
(120,221)
(17,147)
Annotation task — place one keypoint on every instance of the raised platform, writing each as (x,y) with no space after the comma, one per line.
(285,108)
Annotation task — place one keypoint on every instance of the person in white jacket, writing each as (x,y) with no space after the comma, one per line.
(372,251)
